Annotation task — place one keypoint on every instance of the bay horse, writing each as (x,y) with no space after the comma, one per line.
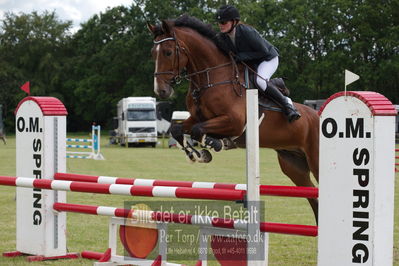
(217,105)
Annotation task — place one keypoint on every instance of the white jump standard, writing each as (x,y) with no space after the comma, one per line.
(357,143)
(93,144)
(40,152)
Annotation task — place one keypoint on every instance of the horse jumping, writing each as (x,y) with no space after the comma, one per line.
(217,105)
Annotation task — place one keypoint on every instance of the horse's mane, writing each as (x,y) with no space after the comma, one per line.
(194,23)
(199,26)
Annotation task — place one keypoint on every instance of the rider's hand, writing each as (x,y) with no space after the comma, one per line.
(237,58)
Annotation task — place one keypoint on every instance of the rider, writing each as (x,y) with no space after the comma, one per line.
(246,44)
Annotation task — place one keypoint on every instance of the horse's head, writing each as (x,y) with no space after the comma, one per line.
(170,58)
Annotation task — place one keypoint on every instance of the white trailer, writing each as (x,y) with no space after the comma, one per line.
(137,121)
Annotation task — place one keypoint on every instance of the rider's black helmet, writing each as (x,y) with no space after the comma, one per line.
(227,13)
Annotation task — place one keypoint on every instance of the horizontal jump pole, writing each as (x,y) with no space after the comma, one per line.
(292,229)
(289,191)
(101,257)
(116,189)
(78,152)
(91,255)
(78,146)
(285,191)
(79,140)
(77,157)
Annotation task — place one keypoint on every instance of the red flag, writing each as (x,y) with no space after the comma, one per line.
(26,87)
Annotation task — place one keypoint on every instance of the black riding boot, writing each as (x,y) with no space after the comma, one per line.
(273,93)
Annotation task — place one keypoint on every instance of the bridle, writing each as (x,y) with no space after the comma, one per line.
(177,77)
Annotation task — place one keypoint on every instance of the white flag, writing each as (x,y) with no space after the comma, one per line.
(350,77)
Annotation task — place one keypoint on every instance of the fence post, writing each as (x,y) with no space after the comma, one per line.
(257,253)
(40,152)
(357,142)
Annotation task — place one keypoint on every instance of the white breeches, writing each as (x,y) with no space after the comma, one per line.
(265,70)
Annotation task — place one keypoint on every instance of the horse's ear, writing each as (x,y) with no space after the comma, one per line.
(150,27)
(166,27)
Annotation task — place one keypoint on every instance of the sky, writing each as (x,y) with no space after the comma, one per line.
(78,11)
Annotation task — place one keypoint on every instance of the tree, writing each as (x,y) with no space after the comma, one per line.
(318,40)
(32,48)
(372,29)
(109,57)
(110,63)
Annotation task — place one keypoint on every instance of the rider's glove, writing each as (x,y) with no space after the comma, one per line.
(237,58)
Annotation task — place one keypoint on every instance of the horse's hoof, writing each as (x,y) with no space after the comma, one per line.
(228,144)
(195,154)
(206,156)
(190,156)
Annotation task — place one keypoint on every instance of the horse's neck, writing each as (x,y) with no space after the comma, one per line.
(203,53)
(206,59)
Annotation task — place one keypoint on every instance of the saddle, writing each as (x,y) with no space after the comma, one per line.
(264,102)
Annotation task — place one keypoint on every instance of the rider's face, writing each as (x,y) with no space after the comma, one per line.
(225,26)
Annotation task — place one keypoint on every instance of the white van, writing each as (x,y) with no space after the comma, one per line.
(137,121)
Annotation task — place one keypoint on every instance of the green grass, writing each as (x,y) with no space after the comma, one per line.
(87,232)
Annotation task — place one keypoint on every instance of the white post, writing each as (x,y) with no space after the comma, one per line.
(96,136)
(40,152)
(256,250)
(357,142)
(94,142)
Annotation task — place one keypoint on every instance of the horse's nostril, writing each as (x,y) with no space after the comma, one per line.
(162,93)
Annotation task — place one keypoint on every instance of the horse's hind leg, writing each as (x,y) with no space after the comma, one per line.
(312,157)
(295,166)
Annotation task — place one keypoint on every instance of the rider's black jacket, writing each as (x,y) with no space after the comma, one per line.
(249,46)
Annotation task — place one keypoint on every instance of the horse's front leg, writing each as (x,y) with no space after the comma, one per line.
(222,126)
(177,131)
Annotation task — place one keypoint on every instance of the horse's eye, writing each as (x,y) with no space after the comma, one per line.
(168,53)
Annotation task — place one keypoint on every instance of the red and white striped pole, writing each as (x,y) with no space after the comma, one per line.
(145,191)
(285,191)
(167,217)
